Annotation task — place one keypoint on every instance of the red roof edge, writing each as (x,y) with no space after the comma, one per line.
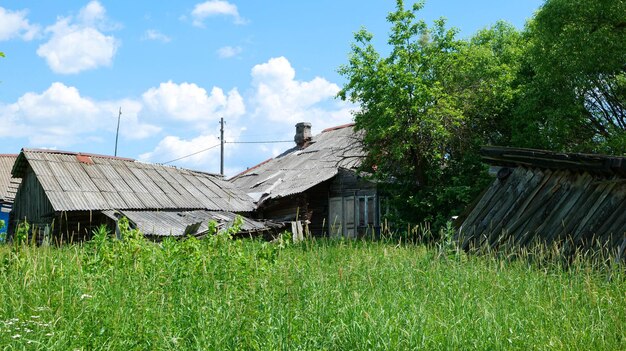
(338,127)
(251,168)
(61,152)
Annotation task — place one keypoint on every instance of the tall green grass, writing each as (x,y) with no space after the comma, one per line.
(219,293)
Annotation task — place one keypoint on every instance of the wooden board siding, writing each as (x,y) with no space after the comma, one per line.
(533,205)
(31,204)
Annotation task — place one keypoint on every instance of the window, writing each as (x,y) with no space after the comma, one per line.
(366,215)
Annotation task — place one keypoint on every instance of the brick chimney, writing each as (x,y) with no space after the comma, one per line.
(303,134)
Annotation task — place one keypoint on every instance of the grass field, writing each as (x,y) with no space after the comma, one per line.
(318,295)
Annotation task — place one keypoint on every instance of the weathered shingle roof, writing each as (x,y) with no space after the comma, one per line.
(80,182)
(8,184)
(297,170)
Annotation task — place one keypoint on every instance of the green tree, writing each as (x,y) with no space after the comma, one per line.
(428,106)
(573,93)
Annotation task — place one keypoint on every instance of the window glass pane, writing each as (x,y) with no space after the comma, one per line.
(370,211)
(362,214)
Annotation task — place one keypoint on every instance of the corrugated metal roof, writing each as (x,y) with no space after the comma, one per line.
(297,170)
(109,183)
(176,223)
(8,184)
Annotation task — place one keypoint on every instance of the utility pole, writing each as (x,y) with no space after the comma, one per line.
(117,133)
(222,146)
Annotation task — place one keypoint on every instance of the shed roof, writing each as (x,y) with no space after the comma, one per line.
(81,182)
(594,163)
(8,184)
(299,169)
(577,199)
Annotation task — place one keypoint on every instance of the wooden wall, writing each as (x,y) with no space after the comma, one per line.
(533,205)
(313,205)
(31,204)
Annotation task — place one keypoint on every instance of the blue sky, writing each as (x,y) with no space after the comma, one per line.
(176,67)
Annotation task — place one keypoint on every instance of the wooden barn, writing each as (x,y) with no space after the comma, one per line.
(8,188)
(316,182)
(64,195)
(576,200)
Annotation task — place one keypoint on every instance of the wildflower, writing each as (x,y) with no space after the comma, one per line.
(16,336)
(85,296)
(34,317)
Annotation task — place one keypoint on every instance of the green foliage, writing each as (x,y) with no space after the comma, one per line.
(316,295)
(574,78)
(428,106)
(21,234)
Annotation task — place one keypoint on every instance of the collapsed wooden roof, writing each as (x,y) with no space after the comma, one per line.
(82,182)
(184,223)
(299,169)
(8,184)
(577,199)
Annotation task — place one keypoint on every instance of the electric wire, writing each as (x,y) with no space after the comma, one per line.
(229,142)
(195,153)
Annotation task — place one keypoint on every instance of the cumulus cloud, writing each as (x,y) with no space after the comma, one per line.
(229,51)
(190,103)
(79,45)
(61,117)
(279,97)
(13,24)
(153,34)
(215,8)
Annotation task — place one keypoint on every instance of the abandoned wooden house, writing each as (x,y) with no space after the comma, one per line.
(575,200)
(316,182)
(64,195)
(8,188)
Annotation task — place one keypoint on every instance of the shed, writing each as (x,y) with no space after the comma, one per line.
(577,200)
(67,194)
(316,181)
(8,187)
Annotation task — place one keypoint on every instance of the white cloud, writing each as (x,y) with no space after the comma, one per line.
(61,117)
(215,8)
(13,24)
(173,147)
(153,34)
(279,97)
(75,47)
(229,51)
(92,13)
(191,103)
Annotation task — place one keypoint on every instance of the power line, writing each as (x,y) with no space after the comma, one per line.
(259,142)
(195,153)
(229,142)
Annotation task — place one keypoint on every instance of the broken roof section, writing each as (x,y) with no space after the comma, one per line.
(8,184)
(184,223)
(302,167)
(83,182)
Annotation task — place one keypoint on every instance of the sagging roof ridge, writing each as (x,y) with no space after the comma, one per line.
(288,151)
(63,152)
(347,125)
